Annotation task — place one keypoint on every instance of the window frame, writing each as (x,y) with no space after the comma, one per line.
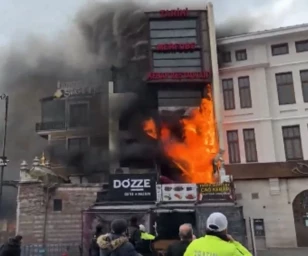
(242,88)
(72,103)
(239,53)
(297,43)
(77,137)
(305,98)
(280,102)
(280,46)
(224,91)
(228,55)
(298,137)
(253,158)
(54,204)
(237,147)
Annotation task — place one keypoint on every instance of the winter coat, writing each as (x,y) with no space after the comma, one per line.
(134,235)
(115,245)
(11,248)
(94,248)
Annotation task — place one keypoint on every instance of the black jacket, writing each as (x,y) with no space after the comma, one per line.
(11,248)
(94,248)
(134,235)
(115,245)
(177,249)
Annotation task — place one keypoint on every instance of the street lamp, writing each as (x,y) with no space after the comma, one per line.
(3,158)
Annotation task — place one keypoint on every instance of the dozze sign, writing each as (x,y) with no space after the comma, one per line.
(132,187)
(133,184)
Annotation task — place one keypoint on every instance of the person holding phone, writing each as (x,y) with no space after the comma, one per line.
(216,241)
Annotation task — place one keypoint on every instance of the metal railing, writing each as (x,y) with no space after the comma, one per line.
(51,250)
(63,125)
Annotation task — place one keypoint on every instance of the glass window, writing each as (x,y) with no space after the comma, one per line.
(233,147)
(228,94)
(177,69)
(241,55)
(250,145)
(285,88)
(53,111)
(280,49)
(226,57)
(244,90)
(176,55)
(292,142)
(177,63)
(179,40)
(173,24)
(304,81)
(78,115)
(301,46)
(173,33)
(57,205)
(77,144)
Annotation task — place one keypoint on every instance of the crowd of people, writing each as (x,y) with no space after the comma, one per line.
(133,240)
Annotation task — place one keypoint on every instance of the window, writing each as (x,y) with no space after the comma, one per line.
(285,88)
(53,112)
(254,195)
(250,145)
(77,144)
(280,49)
(292,142)
(228,93)
(244,90)
(173,31)
(177,62)
(304,81)
(233,147)
(241,55)
(226,57)
(78,115)
(301,46)
(57,205)
(178,97)
(258,227)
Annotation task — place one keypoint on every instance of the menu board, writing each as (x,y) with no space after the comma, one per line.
(179,192)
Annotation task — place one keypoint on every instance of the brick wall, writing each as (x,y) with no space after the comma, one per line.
(61,227)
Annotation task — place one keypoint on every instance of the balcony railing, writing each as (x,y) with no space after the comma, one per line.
(48,126)
(63,125)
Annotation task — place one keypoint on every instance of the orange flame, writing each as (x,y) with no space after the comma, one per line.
(194,154)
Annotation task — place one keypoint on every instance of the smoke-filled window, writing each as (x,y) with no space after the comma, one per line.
(78,144)
(53,111)
(173,31)
(177,61)
(181,98)
(78,115)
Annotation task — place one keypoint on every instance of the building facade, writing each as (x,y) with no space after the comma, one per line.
(264,91)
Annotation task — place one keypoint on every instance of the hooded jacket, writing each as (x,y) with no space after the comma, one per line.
(11,248)
(115,245)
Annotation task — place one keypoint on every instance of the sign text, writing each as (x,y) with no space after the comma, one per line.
(179,75)
(175,47)
(174,13)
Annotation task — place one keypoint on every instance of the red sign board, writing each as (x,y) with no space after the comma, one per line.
(174,13)
(204,75)
(176,47)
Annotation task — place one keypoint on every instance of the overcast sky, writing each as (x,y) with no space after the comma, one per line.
(21,17)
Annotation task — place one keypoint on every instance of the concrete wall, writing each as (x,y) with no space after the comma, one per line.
(61,227)
(274,205)
(266,116)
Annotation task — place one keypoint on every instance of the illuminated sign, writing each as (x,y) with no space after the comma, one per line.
(216,192)
(178,75)
(174,13)
(176,47)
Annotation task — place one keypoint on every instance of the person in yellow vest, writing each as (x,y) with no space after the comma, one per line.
(217,241)
(144,247)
